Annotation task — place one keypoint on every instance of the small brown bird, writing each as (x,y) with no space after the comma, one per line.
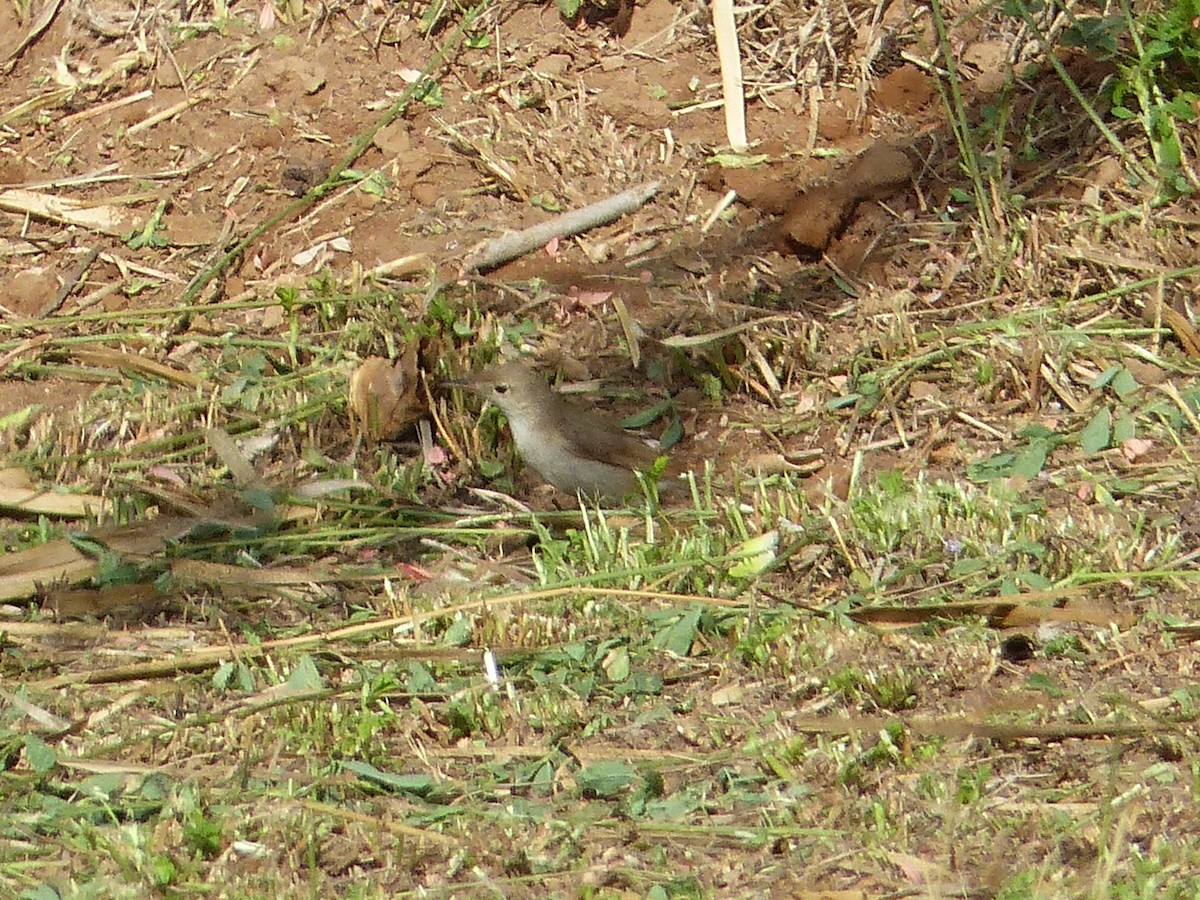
(572,448)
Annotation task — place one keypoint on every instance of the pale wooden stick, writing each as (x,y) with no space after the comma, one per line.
(577,221)
(168,113)
(102,108)
(730,58)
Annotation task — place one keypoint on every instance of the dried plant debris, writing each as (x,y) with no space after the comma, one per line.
(383,397)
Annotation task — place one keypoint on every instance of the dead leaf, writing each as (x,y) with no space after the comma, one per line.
(240,580)
(17,492)
(21,573)
(67,211)
(1135,448)
(233,457)
(805,462)
(1001,612)
(1177,322)
(145,538)
(383,396)
(921,390)
(916,871)
(45,720)
(132,362)
(128,601)
(728,695)
(588,298)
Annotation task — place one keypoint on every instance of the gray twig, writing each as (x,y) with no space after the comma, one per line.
(576,221)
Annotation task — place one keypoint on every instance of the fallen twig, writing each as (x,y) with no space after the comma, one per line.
(577,221)
(70,283)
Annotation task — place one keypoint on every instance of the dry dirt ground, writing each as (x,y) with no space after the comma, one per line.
(141,146)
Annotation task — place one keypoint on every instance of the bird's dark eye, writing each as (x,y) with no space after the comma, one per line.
(501,388)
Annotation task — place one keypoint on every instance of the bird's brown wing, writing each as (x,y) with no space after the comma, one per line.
(595,437)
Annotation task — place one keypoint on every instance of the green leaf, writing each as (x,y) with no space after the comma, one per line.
(417,785)
(606,779)
(1097,436)
(1157,48)
(1036,433)
(869,387)
(1035,581)
(458,634)
(639,684)
(462,719)
(1043,684)
(235,675)
(15,421)
(1104,378)
(968,566)
(711,386)
(678,637)
(1095,33)
(548,202)
(1124,383)
(616,664)
(672,434)
(105,786)
(648,416)
(149,235)
(305,678)
(429,92)
(258,498)
(1180,108)
(490,469)
(1019,8)
(420,679)
(1163,773)
(757,555)
(222,676)
(163,870)
(569,8)
(893,483)
(40,755)
(995,467)
(374,184)
(87,545)
(201,833)
(1030,461)
(1124,429)
(738,160)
